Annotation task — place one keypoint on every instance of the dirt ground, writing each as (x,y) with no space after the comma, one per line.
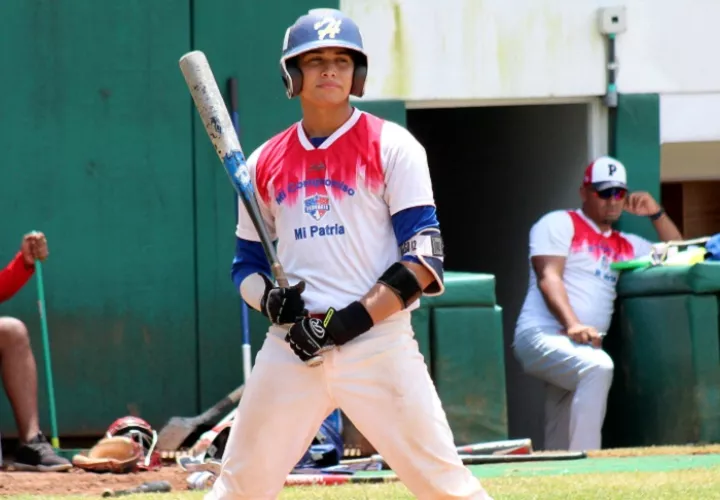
(79,482)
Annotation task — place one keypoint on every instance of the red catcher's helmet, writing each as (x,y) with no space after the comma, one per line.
(141,432)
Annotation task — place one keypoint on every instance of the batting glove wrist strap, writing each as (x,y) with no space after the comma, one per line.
(347,323)
(283,305)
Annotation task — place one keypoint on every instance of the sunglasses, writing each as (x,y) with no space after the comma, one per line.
(614,193)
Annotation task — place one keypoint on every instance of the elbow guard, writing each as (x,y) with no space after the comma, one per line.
(427,248)
(403,282)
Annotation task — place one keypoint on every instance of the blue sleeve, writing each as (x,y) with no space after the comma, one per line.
(249,259)
(409,222)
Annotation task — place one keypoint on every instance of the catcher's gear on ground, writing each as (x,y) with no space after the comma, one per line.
(142,433)
(283,305)
(117,455)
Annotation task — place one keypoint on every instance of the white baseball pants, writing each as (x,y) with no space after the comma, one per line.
(379,380)
(578,381)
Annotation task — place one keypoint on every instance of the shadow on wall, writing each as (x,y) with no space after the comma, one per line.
(495,171)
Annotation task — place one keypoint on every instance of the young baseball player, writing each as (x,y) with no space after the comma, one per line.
(569,303)
(348,197)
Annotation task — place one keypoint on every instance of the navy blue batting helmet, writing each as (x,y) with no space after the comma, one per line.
(317,29)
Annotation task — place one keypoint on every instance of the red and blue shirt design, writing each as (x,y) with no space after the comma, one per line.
(330,206)
(588,278)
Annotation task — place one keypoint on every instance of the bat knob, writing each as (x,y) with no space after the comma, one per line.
(314,361)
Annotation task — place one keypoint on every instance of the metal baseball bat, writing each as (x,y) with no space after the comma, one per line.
(484,458)
(505,447)
(511,446)
(149,487)
(335,480)
(216,119)
(324,479)
(200,448)
(177,429)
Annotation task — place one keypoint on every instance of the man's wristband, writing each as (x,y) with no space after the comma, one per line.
(657,215)
(347,323)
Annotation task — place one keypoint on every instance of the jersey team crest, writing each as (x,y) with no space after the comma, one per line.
(317,206)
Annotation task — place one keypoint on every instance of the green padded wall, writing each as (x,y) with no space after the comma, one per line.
(96,153)
(469,369)
(241,40)
(638,147)
(667,372)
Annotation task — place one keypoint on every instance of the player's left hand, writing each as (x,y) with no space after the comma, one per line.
(308,338)
(282,305)
(641,204)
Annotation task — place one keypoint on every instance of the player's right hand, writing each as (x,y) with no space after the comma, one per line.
(583,334)
(283,305)
(308,338)
(34,247)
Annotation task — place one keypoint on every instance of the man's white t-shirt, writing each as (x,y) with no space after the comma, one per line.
(588,279)
(330,207)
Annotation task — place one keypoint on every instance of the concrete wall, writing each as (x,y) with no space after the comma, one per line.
(690,137)
(495,49)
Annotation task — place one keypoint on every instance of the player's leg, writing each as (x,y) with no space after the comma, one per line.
(281,410)
(19,377)
(558,405)
(582,369)
(391,399)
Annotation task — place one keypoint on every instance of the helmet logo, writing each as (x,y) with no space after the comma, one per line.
(328,27)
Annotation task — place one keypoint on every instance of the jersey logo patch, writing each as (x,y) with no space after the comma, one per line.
(317,206)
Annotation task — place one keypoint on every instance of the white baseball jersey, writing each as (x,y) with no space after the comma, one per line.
(588,279)
(330,207)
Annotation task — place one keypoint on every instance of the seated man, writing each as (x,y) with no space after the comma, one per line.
(17,364)
(569,303)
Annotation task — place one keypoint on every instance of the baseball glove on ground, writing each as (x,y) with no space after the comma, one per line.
(118,455)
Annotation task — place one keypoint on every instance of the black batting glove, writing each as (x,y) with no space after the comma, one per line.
(283,305)
(309,337)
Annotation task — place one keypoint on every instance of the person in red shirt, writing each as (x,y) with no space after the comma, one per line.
(17,364)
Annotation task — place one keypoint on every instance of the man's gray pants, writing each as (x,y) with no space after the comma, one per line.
(578,379)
